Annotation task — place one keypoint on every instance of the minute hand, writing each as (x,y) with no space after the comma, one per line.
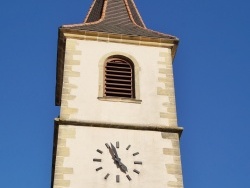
(114,150)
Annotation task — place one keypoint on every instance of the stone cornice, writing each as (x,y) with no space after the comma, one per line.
(120,38)
(158,128)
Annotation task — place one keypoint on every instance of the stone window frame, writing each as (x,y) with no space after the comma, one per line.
(101,84)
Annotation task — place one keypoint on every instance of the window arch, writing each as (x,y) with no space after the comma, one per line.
(124,58)
(119,78)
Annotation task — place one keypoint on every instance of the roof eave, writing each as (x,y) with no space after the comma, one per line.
(60,67)
(81,32)
(122,38)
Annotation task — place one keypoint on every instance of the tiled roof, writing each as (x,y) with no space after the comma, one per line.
(117,17)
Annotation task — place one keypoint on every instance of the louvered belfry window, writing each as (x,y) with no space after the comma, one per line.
(119,78)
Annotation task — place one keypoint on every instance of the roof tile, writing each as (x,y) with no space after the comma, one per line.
(118,17)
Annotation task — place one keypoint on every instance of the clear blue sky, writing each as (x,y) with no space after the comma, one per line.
(212,79)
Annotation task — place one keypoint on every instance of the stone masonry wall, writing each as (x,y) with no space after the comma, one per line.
(72,61)
(63,152)
(174,167)
(165,88)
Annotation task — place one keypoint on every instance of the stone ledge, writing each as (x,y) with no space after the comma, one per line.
(120,99)
(119,38)
(158,128)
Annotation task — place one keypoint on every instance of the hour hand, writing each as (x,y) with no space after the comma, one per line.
(123,167)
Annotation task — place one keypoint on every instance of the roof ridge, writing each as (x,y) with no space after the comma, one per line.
(89,12)
(91,9)
(101,7)
(130,13)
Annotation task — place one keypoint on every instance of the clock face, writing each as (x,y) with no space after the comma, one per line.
(118,157)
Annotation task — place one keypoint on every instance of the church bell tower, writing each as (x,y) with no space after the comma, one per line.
(117,126)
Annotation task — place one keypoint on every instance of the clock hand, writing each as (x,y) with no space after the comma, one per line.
(111,152)
(114,150)
(115,154)
(123,167)
(115,157)
(118,160)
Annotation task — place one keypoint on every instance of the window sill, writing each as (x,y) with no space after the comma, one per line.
(120,99)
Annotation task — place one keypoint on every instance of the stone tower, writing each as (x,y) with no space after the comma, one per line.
(117,126)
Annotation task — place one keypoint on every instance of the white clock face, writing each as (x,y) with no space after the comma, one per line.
(116,162)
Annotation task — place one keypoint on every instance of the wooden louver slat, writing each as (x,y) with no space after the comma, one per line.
(118,75)
(119,78)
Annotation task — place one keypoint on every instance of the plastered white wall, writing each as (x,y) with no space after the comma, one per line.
(89,108)
(153,173)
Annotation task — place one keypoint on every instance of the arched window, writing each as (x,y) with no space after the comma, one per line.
(119,78)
